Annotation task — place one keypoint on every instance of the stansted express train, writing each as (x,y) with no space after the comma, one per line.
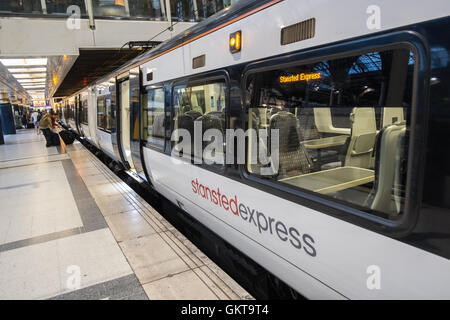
(359,91)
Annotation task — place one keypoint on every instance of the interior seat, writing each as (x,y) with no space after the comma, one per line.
(386,195)
(293,160)
(186,122)
(158,128)
(324,122)
(212,120)
(362,138)
(308,131)
(194,114)
(392,115)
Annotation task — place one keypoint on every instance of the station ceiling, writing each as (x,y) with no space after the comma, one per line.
(91,65)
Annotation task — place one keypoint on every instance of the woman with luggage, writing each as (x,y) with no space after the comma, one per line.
(46,126)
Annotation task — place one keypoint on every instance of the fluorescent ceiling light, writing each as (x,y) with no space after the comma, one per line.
(34,87)
(31,80)
(28,75)
(31,85)
(24,62)
(14,70)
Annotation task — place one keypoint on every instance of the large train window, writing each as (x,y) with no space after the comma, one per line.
(153,117)
(84,112)
(336,127)
(101,115)
(105,114)
(203,106)
(110,115)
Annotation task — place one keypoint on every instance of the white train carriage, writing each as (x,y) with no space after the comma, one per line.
(356,205)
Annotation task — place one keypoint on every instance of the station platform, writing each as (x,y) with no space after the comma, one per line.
(71,229)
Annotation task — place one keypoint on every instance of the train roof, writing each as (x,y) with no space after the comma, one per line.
(221,17)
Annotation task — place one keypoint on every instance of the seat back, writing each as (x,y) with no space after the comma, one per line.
(322,118)
(186,122)
(362,139)
(386,195)
(292,158)
(307,126)
(392,115)
(158,128)
(194,114)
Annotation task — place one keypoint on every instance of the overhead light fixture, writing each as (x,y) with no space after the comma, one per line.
(24,62)
(28,75)
(32,80)
(34,87)
(21,70)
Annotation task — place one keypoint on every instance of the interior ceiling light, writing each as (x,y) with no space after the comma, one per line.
(24,62)
(31,80)
(17,70)
(34,87)
(28,75)
(31,85)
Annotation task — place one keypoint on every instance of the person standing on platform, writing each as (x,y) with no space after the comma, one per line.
(54,118)
(39,117)
(34,119)
(24,120)
(46,127)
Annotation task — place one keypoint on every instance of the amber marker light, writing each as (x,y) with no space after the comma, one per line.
(235,42)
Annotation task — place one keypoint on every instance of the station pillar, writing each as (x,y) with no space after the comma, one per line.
(6,114)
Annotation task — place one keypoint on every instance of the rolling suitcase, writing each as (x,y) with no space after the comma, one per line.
(67,137)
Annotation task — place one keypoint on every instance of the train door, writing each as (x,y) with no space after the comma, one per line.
(125,119)
(135,122)
(92,115)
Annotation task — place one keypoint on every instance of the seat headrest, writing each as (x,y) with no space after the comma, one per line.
(286,123)
(213,120)
(193,114)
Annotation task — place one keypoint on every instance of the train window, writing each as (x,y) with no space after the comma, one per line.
(110,115)
(335,127)
(205,105)
(101,115)
(153,117)
(71,111)
(84,112)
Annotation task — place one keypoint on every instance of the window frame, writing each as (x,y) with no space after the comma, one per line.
(417,139)
(197,80)
(148,144)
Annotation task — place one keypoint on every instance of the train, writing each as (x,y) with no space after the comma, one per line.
(313,136)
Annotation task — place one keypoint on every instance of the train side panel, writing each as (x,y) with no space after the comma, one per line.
(318,255)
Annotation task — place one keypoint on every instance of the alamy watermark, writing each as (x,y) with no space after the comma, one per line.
(374,20)
(73,281)
(373,281)
(74,20)
(213,147)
